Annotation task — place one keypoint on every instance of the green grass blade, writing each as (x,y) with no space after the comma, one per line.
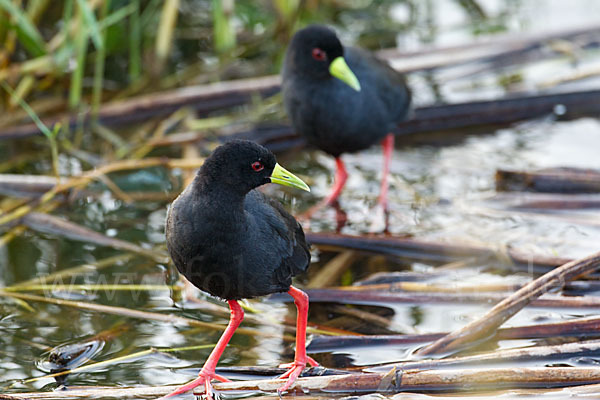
(23,304)
(32,114)
(223,30)
(68,12)
(166,30)
(117,16)
(50,134)
(23,88)
(28,34)
(99,67)
(150,15)
(81,43)
(91,23)
(36,8)
(135,44)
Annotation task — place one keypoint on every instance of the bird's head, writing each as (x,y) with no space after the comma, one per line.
(316,51)
(242,165)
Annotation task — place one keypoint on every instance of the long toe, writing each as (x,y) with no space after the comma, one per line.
(208,393)
(203,378)
(220,378)
(188,386)
(294,371)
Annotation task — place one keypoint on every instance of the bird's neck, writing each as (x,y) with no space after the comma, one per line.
(220,195)
(312,77)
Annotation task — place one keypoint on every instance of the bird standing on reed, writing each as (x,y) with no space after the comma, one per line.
(233,242)
(342,100)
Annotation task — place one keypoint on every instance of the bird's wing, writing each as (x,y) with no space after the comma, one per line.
(389,83)
(286,237)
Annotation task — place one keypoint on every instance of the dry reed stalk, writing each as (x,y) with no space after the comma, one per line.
(486,325)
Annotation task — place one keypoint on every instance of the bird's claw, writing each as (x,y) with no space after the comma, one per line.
(312,362)
(203,378)
(208,390)
(309,360)
(295,368)
(291,374)
(220,378)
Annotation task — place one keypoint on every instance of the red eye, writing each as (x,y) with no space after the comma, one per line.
(257,166)
(319,54)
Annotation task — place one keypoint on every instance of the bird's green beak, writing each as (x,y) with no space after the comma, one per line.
(339,69)
(283,177)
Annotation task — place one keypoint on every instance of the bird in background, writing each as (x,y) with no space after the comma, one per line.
(342,100)
(233,242)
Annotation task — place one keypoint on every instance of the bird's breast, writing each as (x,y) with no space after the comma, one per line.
(335,118)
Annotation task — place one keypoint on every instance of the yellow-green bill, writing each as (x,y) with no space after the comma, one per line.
(342,71)
(283,177)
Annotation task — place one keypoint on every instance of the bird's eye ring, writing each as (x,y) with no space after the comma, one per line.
(257,166)
(318,54)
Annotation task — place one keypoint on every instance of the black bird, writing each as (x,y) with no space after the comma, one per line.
(233,242)
(342,99)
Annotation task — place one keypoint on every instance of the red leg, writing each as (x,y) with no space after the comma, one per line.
(388,147)
(300,359)
(207,373)
(338,184)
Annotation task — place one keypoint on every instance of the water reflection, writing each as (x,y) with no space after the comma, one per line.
(436,193)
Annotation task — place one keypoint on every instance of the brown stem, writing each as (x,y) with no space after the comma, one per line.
(486,325)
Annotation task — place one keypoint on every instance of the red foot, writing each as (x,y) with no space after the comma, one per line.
(297,366)
(292,374)
(388,147)
(203,378)
(207,373)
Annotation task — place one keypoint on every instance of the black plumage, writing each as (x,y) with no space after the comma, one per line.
(327,111)
(229,239)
